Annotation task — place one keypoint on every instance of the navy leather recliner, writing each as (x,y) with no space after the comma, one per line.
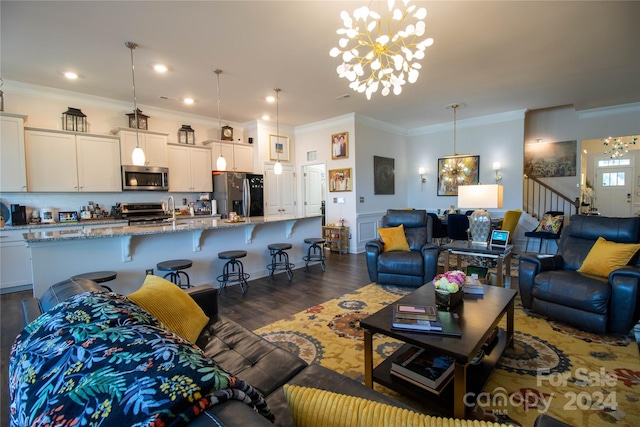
(553,287)
(405,268)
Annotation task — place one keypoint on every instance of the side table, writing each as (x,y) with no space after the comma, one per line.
(463,247)
(337,238)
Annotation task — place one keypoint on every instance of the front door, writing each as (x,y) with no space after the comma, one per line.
(614,188)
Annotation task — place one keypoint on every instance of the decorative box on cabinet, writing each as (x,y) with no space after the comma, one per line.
(337,238)
(190,168)
(13,170)
(62,161)
(153,144)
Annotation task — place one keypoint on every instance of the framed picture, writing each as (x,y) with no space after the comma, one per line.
(554,159)
(457,170)
(279,148)
(340,180)
(383,175)
(340,145)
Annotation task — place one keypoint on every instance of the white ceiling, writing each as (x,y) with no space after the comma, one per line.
(493,56)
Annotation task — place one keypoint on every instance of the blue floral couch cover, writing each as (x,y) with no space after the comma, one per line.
(98,359)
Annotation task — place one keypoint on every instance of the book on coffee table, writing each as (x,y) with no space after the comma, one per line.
(472,286)
(423,368)
(446,324)
(421,312)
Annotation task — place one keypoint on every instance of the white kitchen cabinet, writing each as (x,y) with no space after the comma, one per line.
(153,144)
(189,168)
(239,157)
(279,191)
(59,161)
(15,260)
(13,169)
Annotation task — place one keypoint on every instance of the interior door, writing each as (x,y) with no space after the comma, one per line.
(313,189)
(613,190)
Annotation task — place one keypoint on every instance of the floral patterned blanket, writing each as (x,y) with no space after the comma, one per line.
(98,359)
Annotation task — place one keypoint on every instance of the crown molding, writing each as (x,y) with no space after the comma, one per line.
(610,111)
(472,122)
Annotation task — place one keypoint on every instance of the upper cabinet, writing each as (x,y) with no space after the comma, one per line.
(239,157)
(13,172)
(62,161)
(189,168)
(153,144)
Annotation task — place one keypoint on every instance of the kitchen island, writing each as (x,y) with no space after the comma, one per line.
(131,250)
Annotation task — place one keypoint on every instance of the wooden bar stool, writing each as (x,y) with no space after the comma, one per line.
(315,252)
(98,276)
(174,268)
(233,270)
(280,259)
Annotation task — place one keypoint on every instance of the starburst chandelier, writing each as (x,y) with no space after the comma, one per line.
(616,148)
(377,52)
(454,172)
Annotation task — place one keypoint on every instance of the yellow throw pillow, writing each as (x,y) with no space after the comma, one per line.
(605,256)
(172,306)
(312,407)
(394,238)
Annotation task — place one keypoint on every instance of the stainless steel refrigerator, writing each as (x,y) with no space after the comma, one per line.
(242,193)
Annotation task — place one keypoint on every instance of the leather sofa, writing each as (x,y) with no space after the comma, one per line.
(413,268)
(240,352)
(552,286)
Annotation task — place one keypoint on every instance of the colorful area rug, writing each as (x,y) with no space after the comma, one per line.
(580,378)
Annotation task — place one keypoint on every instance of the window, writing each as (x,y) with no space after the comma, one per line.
(616,162)
(613,179)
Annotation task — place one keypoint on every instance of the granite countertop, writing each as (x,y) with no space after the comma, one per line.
(80,223)
(190,224)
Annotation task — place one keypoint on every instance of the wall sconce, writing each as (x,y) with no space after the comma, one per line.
(422,178)
(496,167)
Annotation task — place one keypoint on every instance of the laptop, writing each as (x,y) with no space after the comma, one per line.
(499,239)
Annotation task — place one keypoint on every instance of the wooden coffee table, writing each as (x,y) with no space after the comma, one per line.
(478,316)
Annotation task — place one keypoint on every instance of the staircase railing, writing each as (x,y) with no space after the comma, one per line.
(538,198)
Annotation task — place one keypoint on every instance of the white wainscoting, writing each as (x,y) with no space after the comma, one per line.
(367,226)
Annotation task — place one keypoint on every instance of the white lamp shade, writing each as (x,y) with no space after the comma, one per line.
(137,157)
(277,168)
(221,163)
(480,196)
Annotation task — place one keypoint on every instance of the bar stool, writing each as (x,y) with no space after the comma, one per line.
(315,252)
(98,277)
(280,259)
(233,270)
(174,268)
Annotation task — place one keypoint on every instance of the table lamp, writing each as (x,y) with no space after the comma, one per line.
(480,197)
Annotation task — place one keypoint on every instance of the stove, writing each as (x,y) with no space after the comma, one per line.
(140,213)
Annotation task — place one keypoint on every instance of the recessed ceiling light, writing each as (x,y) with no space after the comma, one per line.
(188,101)
(70,75)
(160,68)
(266,117)
(271,98)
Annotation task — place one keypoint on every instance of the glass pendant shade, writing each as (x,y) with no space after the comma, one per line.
(137,157)
(221,163)
(277,168)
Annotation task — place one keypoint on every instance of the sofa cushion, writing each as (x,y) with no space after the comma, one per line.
(605,256)
(393,238)
(572,289)
(172,306)
(242,353)
(406,263)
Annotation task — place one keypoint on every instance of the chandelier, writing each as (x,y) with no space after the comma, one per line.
(616,148)
(454,172)
(377,52)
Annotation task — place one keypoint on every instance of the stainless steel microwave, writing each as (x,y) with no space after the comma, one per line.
(145,178)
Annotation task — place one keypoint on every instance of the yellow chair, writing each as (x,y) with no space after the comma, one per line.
(510,221)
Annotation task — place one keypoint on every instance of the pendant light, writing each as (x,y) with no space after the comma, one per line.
(277,168)
(137,157)
(221,163)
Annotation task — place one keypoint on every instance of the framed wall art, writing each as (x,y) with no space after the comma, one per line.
(383,175)
(340,180)
(551,159)
(279,148)
(340,145)
(457,170)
